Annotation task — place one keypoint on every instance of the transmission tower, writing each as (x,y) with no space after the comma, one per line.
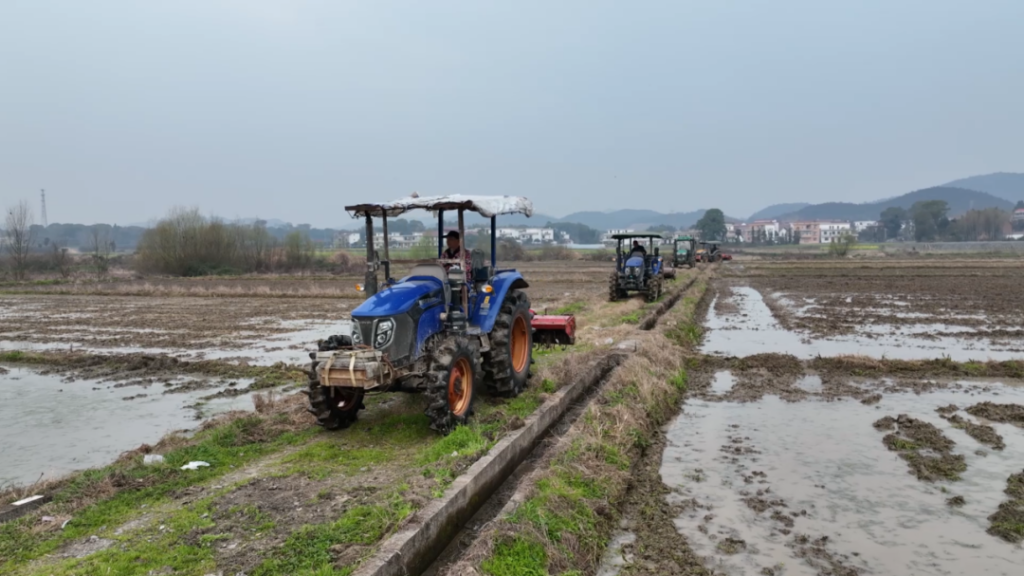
(42,194)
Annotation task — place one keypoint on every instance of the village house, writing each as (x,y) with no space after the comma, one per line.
(833,230)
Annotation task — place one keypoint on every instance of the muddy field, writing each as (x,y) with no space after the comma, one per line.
(256,320)
(775,418)
(963,310)
(834,427)
(179,351)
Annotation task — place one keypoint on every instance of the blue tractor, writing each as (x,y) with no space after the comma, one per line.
(451,328)
(637,268)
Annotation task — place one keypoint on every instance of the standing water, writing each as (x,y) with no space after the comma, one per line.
(753,477)
(49,427)
(754,330)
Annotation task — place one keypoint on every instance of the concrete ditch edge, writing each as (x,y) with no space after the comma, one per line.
(413,549)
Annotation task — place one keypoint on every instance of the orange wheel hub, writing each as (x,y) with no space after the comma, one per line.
(460,387)
(520,344)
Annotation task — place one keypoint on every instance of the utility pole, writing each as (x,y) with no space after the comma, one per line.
(42,194)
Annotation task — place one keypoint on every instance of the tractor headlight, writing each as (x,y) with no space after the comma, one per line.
(633,271)
(357,334)
(384,333)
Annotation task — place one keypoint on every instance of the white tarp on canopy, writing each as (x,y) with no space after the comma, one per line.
(486,206)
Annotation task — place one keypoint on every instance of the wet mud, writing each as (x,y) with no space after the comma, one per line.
(1009,413)
(804,483)
(758,315)
(928,452)
(1008,522)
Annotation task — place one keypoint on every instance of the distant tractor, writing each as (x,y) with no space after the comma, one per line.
(710,252)
(637,269)
(451,328)
(684,252)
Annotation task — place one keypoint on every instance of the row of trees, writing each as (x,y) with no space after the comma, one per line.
(186,243)
(928,221)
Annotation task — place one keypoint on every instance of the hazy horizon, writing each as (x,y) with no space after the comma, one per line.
(122,110)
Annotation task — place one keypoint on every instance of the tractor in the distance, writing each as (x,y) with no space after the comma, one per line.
(637,269)
(684,252)
(709,252)
(450,329)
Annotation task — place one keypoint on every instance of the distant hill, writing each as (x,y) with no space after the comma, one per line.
(635,219)
(960,200)
(776,210)
(1005,185)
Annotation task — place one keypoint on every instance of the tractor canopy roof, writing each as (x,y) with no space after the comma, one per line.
(486,206)
(684,237)
(635,235)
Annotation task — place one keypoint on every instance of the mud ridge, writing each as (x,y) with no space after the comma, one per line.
(928,453)
(1008,522)
(652,319)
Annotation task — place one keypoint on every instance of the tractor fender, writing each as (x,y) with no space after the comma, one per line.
(430,323)
(489,305)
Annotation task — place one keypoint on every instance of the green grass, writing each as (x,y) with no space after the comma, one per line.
(679,380)
(519,557)
(154,549)
(572,308)
(686,333)
(561,509)
(307,552)
(632,318)
(225,448)
(14,356)
(322,459)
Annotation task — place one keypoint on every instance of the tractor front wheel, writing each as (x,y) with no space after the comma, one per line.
(335,408)
(653,289)
(507,365)
(451,383)
(614,292)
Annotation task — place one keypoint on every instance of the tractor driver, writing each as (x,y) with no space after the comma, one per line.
(638,250)
(454,243)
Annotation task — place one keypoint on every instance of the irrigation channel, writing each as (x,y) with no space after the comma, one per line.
(496,484)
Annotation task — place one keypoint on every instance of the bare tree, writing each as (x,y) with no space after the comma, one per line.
(60,259)
(18,237)
(99,243)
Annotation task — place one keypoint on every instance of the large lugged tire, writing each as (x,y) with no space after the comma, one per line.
(335,408)
(653,289)
(507,365)
(451,383)
(614,292)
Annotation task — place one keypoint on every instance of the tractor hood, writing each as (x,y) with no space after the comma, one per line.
(397,299)
(635,261)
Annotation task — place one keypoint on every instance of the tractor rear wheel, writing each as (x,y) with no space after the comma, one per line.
(451,383)
(507,365)
(614,292)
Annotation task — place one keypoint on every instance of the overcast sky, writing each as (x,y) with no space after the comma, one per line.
(292,109)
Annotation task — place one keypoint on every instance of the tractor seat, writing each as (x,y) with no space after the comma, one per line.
(433,271)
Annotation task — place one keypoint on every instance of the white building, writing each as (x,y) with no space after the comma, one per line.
(833,231)
(862,225)
(607,236)
(345,239)
(528,235)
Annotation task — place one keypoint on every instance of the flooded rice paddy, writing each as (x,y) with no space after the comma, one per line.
(807,487)
(50,426)
(744,324)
